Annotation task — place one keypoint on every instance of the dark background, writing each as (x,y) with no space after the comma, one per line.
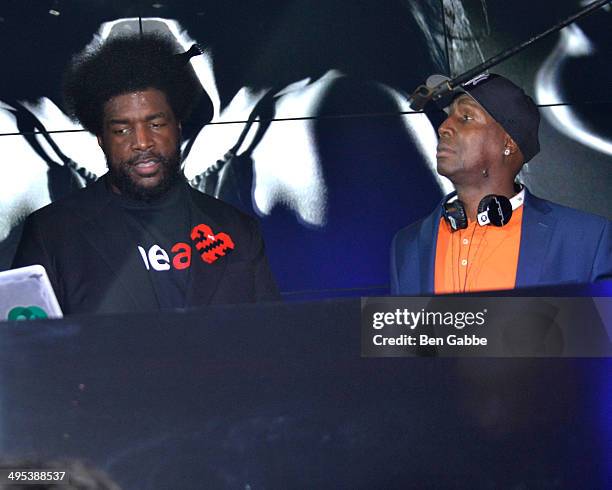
(198,401)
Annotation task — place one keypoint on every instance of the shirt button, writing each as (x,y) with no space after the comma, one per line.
(465,241)
(464,262)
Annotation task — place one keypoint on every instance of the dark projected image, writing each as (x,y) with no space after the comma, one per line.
(306,129)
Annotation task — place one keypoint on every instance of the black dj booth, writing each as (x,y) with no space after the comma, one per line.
(278,395)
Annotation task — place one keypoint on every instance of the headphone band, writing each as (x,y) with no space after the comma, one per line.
(492,210)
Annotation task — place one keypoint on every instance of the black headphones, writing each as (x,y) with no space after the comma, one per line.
(492,210)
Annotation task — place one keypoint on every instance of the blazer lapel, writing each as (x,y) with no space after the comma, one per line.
(428,239)
(106,232)
(536,231)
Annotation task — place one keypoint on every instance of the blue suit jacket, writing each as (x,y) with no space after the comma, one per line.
(559,245)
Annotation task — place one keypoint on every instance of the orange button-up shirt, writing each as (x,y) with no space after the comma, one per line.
(477,258)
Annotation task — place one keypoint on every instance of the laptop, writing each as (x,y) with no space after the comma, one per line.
(26,294)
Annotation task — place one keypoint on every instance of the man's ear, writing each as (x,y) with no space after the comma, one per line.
(99,138)
(511,145)
(516,159)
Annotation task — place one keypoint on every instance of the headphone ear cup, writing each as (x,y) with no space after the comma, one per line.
(454,214)
(497,208)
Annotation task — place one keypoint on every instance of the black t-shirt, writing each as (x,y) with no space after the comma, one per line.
(160,231)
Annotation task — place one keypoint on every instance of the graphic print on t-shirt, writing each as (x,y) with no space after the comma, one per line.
(210,247)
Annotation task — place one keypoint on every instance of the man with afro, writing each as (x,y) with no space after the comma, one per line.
(140,238)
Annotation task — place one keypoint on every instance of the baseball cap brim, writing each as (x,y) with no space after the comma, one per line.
(446,100)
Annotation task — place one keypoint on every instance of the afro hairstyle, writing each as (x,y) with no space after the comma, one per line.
(125,64)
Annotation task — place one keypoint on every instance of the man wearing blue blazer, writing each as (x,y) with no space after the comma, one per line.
(492,233)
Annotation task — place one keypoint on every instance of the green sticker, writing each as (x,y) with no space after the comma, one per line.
(26,313)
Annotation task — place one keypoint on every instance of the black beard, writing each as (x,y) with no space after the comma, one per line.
(122,179)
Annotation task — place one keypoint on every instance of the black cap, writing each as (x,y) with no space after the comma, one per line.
(510,106)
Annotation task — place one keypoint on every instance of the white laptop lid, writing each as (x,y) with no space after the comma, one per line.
(26,293)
